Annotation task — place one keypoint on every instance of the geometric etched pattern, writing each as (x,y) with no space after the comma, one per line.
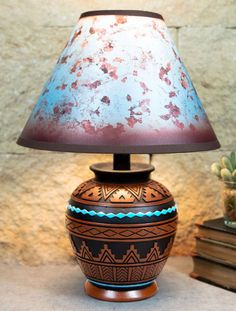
(130,269)
(93,192)
(96,239)
(121,274)
(129,232)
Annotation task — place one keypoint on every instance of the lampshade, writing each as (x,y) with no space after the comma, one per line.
(119,86)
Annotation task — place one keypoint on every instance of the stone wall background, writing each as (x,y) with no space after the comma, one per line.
(35,185)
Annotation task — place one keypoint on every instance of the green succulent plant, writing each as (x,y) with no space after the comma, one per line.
(226,168)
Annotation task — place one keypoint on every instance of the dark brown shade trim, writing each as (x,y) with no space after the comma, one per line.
(122,12)
(180,148)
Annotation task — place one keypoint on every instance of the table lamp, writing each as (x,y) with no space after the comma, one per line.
(120,87)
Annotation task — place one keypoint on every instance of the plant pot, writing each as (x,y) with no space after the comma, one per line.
(228,195)
(122,226)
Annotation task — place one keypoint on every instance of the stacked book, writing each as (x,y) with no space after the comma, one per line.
(215,255)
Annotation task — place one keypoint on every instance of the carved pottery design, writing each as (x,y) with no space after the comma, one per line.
(129,269)
(93,192)
(113,232)
(121,233)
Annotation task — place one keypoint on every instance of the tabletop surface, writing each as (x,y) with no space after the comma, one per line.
(57,288)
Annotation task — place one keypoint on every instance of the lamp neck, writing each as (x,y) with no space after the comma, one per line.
(121,162)
(139,172)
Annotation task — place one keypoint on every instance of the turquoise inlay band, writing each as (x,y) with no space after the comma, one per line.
(121,215)
(120,286)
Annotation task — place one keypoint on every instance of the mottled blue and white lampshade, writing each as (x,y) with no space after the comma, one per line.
(119,86)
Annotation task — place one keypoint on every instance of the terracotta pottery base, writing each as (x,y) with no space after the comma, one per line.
(122,226)
(120,295)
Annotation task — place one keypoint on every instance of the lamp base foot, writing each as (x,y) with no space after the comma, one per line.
(107,294)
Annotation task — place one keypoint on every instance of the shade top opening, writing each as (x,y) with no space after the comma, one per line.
(122,12)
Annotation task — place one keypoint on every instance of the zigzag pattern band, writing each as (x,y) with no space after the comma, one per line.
(121,215)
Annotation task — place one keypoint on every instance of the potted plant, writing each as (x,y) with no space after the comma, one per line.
(225,170)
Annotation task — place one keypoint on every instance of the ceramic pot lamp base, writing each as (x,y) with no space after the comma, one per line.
(122,226)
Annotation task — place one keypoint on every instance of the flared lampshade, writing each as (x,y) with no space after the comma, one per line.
(119,86)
